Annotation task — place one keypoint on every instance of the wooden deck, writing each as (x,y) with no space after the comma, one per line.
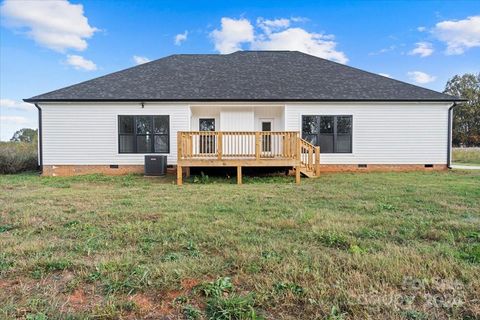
(246,149)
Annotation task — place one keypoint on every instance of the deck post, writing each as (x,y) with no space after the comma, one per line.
(299,148)
(257,145)
(317,161)
(179,175)
(187,172)
(297,174)
(220,145)
(239,175)
(179,145)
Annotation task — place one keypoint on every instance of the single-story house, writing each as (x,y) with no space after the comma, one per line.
(248,108)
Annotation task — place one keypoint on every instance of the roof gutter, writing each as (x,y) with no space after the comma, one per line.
(33,100)
(40,139)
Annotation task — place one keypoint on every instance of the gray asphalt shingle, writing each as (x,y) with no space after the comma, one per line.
(243,76)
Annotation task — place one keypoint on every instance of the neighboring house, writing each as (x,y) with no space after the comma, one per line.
(253,108)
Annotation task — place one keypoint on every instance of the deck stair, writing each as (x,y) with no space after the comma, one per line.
(310,159)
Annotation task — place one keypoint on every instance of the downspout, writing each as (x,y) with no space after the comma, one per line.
(40,144)
(449,143)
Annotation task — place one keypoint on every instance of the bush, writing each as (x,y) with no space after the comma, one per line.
(17,157)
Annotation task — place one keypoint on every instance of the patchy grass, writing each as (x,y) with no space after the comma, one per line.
(344,246)
(466,156)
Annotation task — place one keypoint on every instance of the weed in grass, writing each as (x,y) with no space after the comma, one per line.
(386,206)
(126,281)
(203,178)
(54,265)
(192,249)
(5,262)
(217,287)
(57,184)
(470,253)
(334,240)
(71,224)
(171,256)
(233,307)
(191,313)
(336,314)
(285,287)
(6,227)
(37,316)
(367,233)
(271,255)
(414,315)
(253,267)
(180,300)
(355,249)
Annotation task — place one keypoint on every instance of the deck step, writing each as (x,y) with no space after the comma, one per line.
(308,173)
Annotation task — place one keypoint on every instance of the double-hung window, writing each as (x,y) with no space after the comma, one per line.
(332,133)
(143,134)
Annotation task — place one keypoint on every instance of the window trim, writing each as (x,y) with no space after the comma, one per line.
(334,131)
(135,134)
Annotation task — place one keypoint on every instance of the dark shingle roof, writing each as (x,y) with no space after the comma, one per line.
(243,76)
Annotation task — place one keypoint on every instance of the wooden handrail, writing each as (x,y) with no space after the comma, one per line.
(238,144)
(310,156)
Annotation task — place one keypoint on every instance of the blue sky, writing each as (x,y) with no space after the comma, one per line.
(46,45)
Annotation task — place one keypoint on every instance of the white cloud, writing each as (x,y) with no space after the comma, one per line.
(277,34)
(459,35)
(181,37)
(271,25)
(421,77)
(299,19)
(316,44)
(55,24)
(421,29)
(80,63)
(423,49)
(140,60)
(232,34)
(385,75)
(383,50)
(16,120)
(18,105)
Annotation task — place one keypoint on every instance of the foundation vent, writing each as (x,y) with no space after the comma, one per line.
(114,166)
(362,165)
(429,166)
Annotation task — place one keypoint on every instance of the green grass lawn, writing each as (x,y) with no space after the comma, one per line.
(466,156)
(344,246)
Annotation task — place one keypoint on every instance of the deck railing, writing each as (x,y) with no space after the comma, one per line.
(310,156)
(238,145)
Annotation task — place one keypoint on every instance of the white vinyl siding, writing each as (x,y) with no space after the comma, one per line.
(87,134)
(384,133)
(237,120)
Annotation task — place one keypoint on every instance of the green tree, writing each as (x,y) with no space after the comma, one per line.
(25,135)
(466,116)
